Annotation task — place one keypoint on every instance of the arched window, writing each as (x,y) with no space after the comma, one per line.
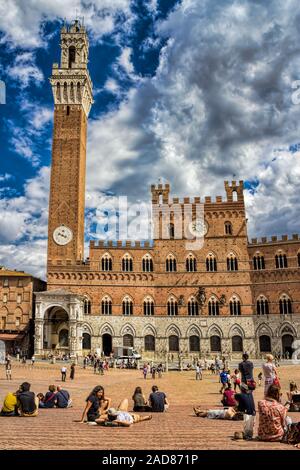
(106,262)
(281,261)
(215,343)
(285,305)
(72,56)
(211,263)
(128,341)
(237,344)
(191,263)
(172,307)
(262,306)
(213,307)
(147,264)
(87,306)
(127,306)
(235,306)
(265,343)
(148,306)
(171,265)
(298,256)
(127,263)
(232,262)
(173,343)
(258,262)
(193,307)
(58,97)
(228,228)
(86,341)
(106,306)
(149,343)
(194,343)
(234,196)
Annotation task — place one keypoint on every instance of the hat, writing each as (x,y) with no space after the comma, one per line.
(112,412)
(244,386)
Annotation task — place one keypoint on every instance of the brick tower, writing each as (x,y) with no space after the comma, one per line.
(72,92)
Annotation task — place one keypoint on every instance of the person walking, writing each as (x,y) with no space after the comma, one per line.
(246,370)
(269,371)
(63,373)
(8,370)
(72,372)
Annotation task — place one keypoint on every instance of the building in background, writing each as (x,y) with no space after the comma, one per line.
(17,308)
(162,298)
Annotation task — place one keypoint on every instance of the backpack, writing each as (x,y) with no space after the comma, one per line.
(293,434)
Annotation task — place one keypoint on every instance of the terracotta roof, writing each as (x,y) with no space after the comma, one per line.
(10,272)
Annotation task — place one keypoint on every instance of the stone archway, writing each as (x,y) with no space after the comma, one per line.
(56,330)
(107,344)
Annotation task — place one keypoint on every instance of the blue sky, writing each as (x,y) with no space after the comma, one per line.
(192,91)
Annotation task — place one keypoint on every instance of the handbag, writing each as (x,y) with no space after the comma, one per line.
(251,384)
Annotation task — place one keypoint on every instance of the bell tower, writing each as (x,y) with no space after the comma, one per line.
(72,93)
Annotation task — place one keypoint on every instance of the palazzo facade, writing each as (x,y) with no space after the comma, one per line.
(165,297)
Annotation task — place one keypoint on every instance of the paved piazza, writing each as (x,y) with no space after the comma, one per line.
(176,429)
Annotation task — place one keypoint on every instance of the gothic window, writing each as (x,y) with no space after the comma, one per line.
(147,264)
(235,306)
(258,262)
(213,307)
(149,343)
(172,307)
(265,343)
(171,265)
(237,344)
(193,307)
(72,56)
(87,306)
(127,306)
(148,306)
(58,97)
(106,262)
(106,306)
(215,343)
(211,263)
(86,341)
(228,228)
(171,231)
(262,306)
(78,92)
(127,263)
(5,282)
(128,341)
(173,343)
(191,263)
(194,343)
(232,262)
(65,92)
(281,261)
(234,196)
(72,95)
(285,305)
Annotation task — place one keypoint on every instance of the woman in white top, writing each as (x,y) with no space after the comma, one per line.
(269,371)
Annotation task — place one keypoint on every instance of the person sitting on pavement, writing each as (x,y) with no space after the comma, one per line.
(140,402)
(62,398)
(228,397)
(158,400)
(245,401)
(121,417)
(273,422)
(96,405)
(28,403)
(48,401)
(9,407)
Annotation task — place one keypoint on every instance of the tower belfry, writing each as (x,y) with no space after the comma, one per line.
(72,93)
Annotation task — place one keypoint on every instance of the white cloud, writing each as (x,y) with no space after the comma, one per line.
(124,60)
(22,21)
(24,70)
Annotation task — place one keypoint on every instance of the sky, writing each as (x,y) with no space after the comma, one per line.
(190,92)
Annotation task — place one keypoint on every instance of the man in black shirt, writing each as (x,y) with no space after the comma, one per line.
(27,403)
(246,368)
(158,400)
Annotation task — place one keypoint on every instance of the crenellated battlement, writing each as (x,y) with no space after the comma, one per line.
(274,239)
(132,244)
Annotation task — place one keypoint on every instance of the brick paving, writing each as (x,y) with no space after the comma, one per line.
(176,429)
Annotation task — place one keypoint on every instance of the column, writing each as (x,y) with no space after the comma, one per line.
(38,338)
